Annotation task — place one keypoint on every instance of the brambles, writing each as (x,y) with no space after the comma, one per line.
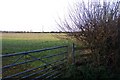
(97,25)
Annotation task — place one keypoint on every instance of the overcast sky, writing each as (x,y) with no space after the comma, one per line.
(34,15)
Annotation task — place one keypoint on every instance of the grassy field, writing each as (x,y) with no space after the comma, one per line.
(17,42)
(20,42)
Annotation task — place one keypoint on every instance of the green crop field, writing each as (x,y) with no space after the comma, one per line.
(20,42)
(17,42)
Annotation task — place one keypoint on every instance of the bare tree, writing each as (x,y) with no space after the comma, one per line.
(97,25)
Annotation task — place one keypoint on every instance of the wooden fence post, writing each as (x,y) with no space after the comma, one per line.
(73,53)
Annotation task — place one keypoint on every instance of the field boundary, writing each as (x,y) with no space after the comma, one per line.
(48,70)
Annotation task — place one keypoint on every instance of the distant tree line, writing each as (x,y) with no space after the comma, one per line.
(32,32)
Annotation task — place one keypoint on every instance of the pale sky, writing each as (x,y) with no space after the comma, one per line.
(35,15)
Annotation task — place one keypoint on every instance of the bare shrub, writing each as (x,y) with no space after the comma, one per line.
(97,25)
